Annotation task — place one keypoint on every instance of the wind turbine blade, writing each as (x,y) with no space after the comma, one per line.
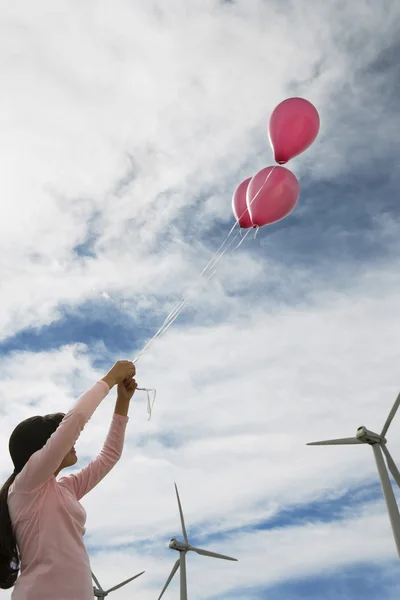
(185,537)
(97,582)
(388,493)
(211,554)
(391,416)
(174,570)
(124,582)
(341,442)
(392,465)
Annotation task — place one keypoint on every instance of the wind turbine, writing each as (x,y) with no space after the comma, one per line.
(183,548)
(100,593)
(378,443)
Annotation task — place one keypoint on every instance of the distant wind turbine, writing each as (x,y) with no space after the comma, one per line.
(378,444)
(183,548)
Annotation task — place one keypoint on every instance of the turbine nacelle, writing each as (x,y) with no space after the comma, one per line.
(176,545)
(369,437)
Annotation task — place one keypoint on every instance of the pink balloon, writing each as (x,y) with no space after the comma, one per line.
(293,127)
(239,205)
(271,195)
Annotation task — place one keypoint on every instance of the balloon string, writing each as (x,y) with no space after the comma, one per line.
(149,404)
(170,317)
(211,263)
(242,240)
(215,259)
(219,249)
(173,315)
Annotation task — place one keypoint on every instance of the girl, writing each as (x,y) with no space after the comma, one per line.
(41,518)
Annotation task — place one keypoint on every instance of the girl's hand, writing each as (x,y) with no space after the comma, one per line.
(119,372)
(127,388)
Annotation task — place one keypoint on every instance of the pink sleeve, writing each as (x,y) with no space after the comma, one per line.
(44,463)
(85,480)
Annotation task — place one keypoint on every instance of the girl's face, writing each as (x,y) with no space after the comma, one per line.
(69,460)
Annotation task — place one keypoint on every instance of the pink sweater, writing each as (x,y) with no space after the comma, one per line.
(48,519)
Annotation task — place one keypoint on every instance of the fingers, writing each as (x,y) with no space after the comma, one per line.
(130,383)
(132,386)
(125,371)
(130,368)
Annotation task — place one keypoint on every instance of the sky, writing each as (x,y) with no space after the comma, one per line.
(124,129)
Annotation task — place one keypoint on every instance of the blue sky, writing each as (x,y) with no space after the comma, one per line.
(347,583)
(126,127)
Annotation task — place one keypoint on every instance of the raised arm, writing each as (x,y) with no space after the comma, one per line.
(44,463)
(86,479)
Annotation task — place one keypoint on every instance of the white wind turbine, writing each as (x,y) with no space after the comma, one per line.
(183,548)
(378,444)
(100,593)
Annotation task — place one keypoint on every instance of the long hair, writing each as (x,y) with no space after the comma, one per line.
(26,439)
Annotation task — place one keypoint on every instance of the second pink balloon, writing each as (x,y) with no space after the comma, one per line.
(271,195)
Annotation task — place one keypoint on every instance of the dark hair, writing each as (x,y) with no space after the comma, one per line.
(27,438)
